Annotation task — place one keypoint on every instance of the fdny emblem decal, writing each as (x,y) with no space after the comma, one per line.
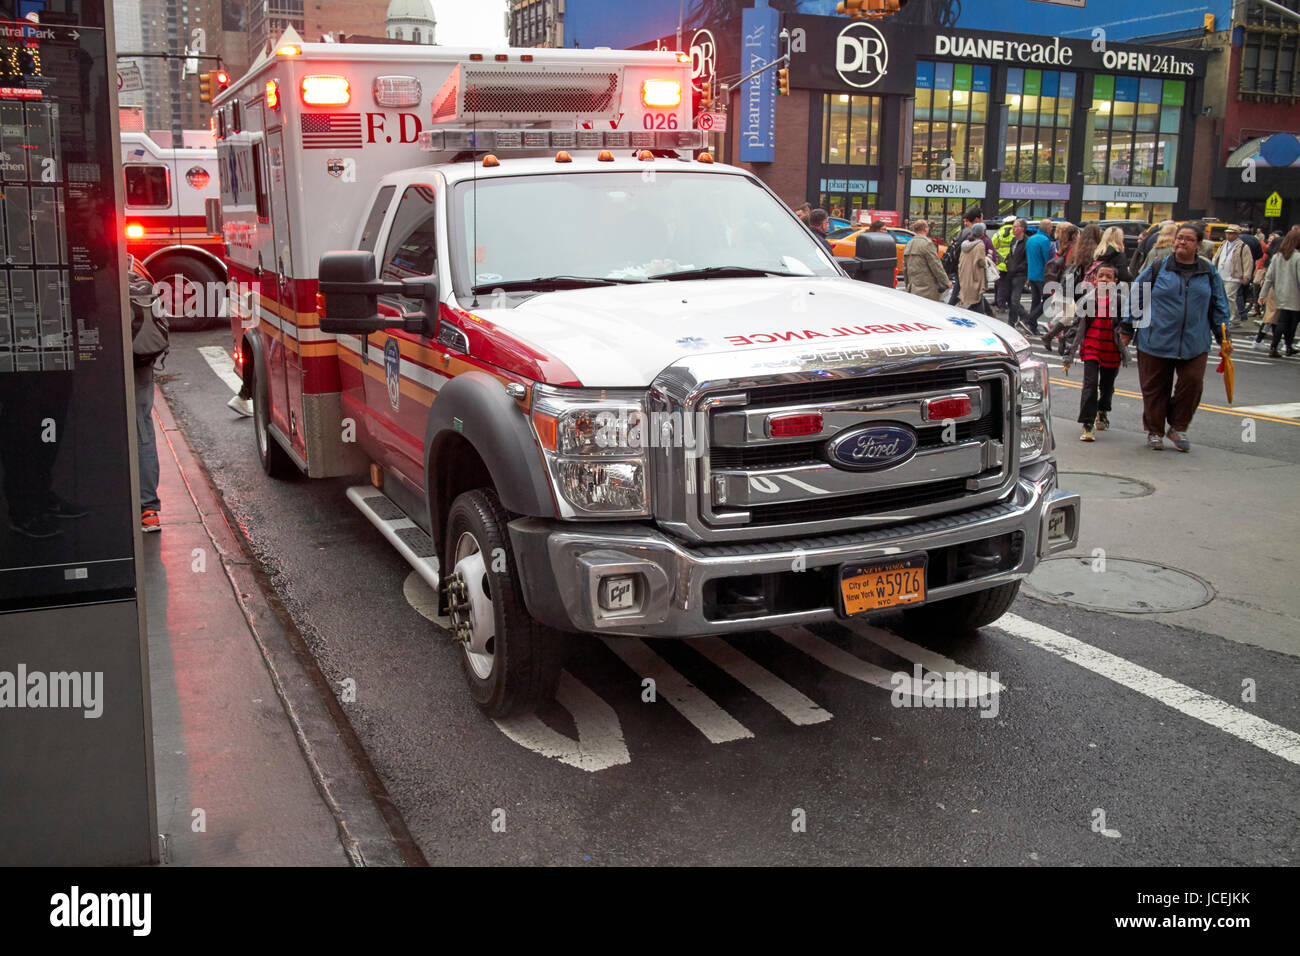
(393,372)
(877,446)
(335,166)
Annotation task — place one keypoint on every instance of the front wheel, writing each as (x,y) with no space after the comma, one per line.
(964,613)
(511,663)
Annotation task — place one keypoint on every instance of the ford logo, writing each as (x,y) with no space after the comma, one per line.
(876,446)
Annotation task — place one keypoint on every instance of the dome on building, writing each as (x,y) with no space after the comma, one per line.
(411,20)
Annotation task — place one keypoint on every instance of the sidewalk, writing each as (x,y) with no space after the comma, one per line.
(252,768)
(1190,522)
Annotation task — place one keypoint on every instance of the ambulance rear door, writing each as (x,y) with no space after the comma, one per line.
(285,292)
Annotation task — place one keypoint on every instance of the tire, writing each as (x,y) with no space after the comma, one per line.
(963,614)
(275,461)
(515,669)
(182,274)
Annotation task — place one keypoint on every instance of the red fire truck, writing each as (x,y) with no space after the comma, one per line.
(599,382)
(167,193)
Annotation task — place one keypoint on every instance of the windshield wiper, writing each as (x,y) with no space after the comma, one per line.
(550,282)
(712,272)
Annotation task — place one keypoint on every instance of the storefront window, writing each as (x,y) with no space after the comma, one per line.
(850,145)
(1040,109)
(950,116)
(1134,131)
(851,130)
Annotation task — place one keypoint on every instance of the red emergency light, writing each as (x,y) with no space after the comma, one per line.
(272,94)
(326,90)
(794,426)
(941,409)
(134,230)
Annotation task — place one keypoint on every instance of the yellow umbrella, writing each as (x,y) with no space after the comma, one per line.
(1226,368)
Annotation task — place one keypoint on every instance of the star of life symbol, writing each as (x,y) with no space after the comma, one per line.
(964,323)
(692,342)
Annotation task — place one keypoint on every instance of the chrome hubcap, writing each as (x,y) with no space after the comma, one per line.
(469,603)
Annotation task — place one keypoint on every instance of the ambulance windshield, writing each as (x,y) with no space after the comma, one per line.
(623,226)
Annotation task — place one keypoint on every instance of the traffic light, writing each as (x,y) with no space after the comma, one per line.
(874,9)
(205,87)
(222,79)
(852,8)
(783,81)
(706,96)
(212,84)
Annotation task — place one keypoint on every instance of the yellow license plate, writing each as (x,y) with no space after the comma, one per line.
(891,582)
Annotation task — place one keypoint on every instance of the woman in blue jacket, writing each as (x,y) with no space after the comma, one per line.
(1178,308)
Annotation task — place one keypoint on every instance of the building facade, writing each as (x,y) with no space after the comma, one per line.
(410,20)
(538,23)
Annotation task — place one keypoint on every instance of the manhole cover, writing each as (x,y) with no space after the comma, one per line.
(1092,485)
(1134,587)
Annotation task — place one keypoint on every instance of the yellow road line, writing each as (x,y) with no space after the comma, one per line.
(1220,409)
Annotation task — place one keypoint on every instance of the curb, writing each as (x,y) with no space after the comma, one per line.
(371,828)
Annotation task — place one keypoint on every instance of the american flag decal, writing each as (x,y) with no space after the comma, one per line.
(331,130)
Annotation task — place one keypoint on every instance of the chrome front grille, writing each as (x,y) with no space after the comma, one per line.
(743,484)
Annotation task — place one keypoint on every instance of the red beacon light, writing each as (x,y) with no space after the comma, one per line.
(942,409)
(794,426)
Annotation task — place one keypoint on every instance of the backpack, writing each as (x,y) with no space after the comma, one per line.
(1054,269)
(952,255)
(149,327)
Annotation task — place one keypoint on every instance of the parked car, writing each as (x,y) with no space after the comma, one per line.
(1133,229)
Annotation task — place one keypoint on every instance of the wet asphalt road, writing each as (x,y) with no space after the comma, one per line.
(871,783)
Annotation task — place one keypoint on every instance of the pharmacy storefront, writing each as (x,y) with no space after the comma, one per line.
(933,121)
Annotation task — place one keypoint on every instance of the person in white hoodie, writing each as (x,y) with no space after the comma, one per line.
(1283,279)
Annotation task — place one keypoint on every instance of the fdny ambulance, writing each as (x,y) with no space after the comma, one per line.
(167,195)
(599,382)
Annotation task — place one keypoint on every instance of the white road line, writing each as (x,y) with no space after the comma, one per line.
(1284,410)
(930,660)
(671,685)
(1268,736)
(221,362)
(850,665)
(796,708)
(600,742)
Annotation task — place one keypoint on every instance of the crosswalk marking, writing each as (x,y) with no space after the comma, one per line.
(600,743)
(1284,410)
(1264,734)
(671,685)
(793,705)
(931,660)
(221,362)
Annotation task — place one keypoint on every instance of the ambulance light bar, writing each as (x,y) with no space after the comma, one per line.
(397,92)
(497,140)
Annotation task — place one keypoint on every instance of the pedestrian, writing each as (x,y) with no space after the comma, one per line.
(952,259)
(1038,250)
(1163,247)
(149,340)
(972,271)
(1096,337)
(1065,271)
(1236,267)
(1283,281)
(804,211)
(1002,239)
(1110,251)
(819,222)
(922,271)
(1183,309)
(1142,254)
(1017,274)
(877,225)
(1205,248)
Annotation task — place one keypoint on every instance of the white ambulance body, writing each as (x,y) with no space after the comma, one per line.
(601,384)
(167,194)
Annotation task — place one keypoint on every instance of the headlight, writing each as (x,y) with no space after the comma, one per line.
(594,445)
(1035,408)
(608,487)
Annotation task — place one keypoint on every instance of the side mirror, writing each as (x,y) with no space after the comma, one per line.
(351,289)
(877,257)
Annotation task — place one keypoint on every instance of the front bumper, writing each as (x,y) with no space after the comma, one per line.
(676,588)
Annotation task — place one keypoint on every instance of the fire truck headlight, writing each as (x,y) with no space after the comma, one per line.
(605,487)
(1035,411)
(594,448)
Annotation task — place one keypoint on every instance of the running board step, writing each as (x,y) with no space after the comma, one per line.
(402,533)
